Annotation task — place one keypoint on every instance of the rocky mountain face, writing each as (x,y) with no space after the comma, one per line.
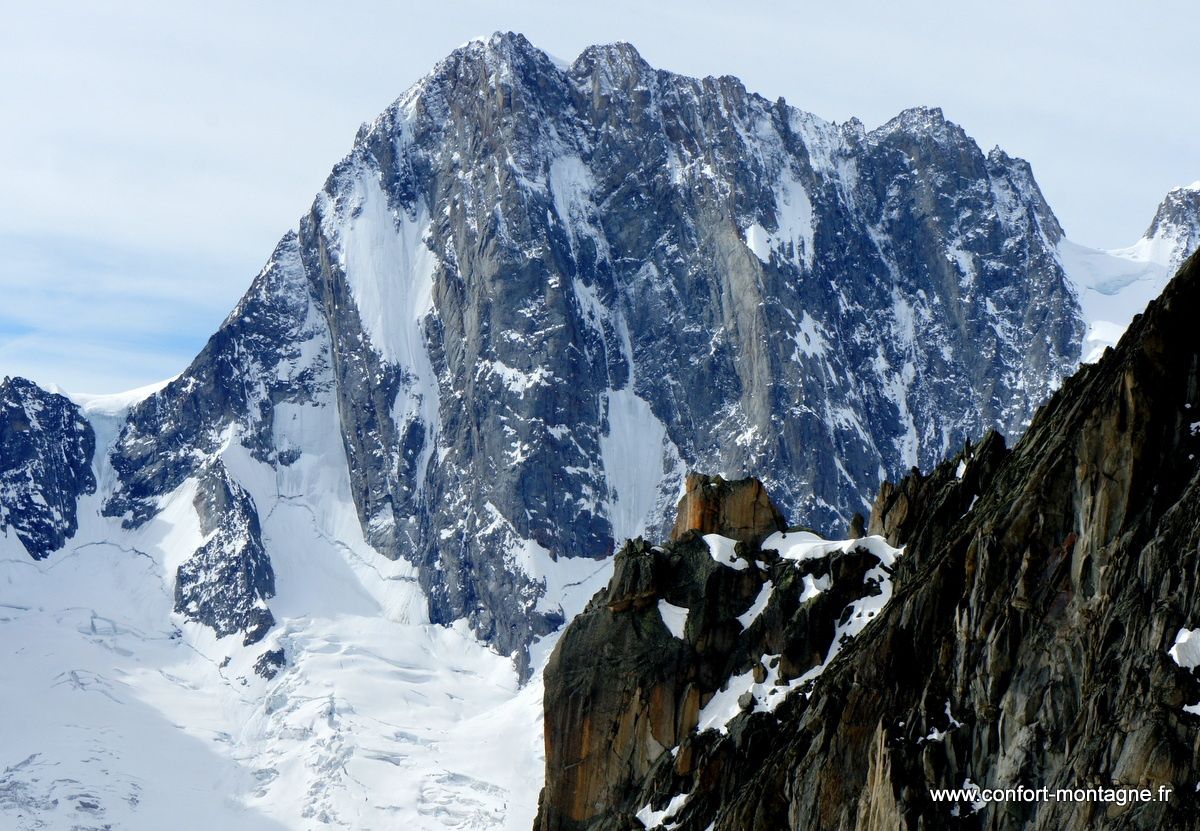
(227,581)
(1037,630)
(533,295)
(46,448)
(1176,225)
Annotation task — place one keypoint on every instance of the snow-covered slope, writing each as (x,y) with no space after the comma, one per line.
(120,712)
(113,717)
(1114,285)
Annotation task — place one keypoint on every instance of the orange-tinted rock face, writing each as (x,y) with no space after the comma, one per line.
(740,510)
(1028,635)
(623,690)
(617,709)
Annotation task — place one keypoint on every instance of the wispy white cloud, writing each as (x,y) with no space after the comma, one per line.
(89,317)
(153,152)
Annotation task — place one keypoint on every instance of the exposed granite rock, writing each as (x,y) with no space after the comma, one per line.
(922,506)
(226,583)
(270,662)
(1026,642)
(740,510)
(624,692)
(46,449)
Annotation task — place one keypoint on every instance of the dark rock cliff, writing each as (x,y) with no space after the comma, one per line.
(46,448)
(1026,642)
(226,582)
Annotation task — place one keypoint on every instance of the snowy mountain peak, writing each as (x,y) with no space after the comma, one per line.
(617,55)
(501,53)
(1175,230)
(921,118)
(1114,285)
(925,122)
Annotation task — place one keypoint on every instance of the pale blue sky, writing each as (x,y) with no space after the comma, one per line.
(152,153)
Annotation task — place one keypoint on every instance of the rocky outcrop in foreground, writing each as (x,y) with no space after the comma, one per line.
(688,635)
(1038,634)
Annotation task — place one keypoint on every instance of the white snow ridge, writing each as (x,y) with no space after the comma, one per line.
(120,714)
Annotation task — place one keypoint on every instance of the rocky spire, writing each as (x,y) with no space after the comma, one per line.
(740,510)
